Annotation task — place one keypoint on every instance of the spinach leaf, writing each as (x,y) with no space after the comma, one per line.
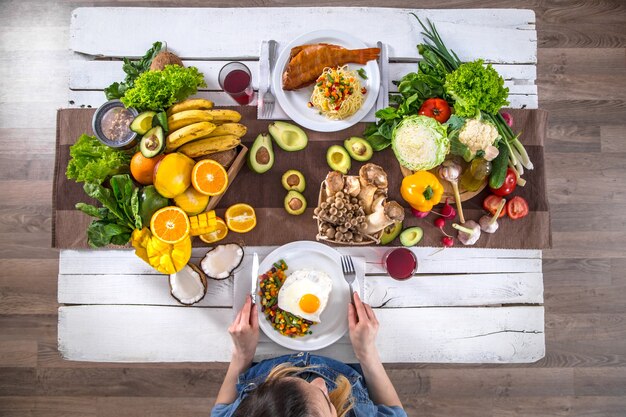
(101,233)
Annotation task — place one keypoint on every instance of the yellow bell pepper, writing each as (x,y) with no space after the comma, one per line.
(163,257)
(422,190)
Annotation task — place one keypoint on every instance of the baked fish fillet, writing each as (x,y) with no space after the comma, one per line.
(306,62)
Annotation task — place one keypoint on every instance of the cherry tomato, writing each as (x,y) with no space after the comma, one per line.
(437,108)
(517,208)
(509,184)
(491,204)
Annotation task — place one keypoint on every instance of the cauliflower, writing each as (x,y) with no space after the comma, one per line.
(477,138)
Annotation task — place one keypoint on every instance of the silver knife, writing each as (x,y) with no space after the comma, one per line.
(263,61)
(255,276)
(380,101)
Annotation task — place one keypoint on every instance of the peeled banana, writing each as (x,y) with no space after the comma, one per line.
(190,104)
(187,134)
(187,117)
(208,146)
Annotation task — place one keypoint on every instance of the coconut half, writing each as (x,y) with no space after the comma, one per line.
(188,286)
(222,260)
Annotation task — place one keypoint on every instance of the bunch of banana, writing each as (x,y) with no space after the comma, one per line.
(198,130)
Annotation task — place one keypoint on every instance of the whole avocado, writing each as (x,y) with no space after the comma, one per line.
(149,202)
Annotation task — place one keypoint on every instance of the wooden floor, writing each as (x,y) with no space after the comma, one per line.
(582,82)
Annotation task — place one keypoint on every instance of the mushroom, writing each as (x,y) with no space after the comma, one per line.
(490,224)
(353,185)
(450,171)
(468,233)
(366,197)
(188,286)
(383,214)
(372,174)
(334,182)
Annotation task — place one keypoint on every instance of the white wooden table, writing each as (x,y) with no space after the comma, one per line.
(464,305)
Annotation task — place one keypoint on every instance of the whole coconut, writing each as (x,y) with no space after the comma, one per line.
(165,58)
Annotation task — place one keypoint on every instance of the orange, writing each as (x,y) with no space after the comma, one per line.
(142,168)
(218,234)
(170,224)
(240,218)
(173,175)
(192,201)
(209,177)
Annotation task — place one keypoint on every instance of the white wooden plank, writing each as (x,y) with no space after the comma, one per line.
(499,35)
(97,75)
(430,260)
(454,290)
(135,289)
(177,334)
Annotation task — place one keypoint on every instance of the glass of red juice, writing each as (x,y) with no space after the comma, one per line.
(400,263)
(235,78)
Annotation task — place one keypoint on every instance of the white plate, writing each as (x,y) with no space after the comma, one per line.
(334,319)
(294,103)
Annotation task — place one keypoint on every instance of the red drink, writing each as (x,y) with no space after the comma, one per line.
(400,263)
(235,79)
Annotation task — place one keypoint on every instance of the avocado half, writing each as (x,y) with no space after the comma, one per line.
(411,236)
(288,137)
(293,180)
(295,203)
(359,149)
(390,233)
(261,155)
(338,159)
(152,143)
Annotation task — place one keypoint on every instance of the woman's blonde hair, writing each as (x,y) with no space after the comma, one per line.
(340,397)
(277,397)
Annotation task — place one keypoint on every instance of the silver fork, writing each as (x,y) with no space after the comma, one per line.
(349,273)
(268,97)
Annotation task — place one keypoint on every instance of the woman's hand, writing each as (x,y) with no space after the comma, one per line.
(245,332)
(363,326)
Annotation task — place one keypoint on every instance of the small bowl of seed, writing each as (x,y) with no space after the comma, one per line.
(111,125)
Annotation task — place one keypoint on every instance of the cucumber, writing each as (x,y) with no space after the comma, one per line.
(499,165)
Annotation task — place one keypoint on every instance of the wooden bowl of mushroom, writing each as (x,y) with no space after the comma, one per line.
(354,210)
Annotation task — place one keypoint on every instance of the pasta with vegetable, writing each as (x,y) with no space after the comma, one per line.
(337,93)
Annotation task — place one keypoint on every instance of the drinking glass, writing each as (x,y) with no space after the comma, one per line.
(235,78)
(400,263)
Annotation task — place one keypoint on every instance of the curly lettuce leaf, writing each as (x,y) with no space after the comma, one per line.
(132,70)
(158,90)
(93,162)
(474,87)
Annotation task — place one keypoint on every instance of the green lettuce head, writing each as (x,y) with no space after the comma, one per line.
(420,143)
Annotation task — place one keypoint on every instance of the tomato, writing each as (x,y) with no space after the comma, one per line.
(509,184)
(437,108)
(491,204)
(517,208)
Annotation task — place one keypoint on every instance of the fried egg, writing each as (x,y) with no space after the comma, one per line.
(305,293)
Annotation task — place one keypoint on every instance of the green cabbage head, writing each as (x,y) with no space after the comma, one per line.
(420,143)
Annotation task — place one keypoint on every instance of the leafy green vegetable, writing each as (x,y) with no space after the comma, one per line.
(362,73)
(474,88)
(132,70)
(94,162)
(157,90)
(119,215)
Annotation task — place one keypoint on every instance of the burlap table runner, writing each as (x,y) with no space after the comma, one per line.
(265,193)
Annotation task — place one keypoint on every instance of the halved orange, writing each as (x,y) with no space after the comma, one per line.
(218,234)
(240,218)
(170,224)
(209,177)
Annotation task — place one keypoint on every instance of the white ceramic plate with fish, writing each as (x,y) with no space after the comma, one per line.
(294,103)
(334,318)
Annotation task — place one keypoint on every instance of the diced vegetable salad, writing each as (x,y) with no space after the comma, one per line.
(284,322)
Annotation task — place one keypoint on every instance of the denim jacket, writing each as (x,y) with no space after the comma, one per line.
(326,368)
